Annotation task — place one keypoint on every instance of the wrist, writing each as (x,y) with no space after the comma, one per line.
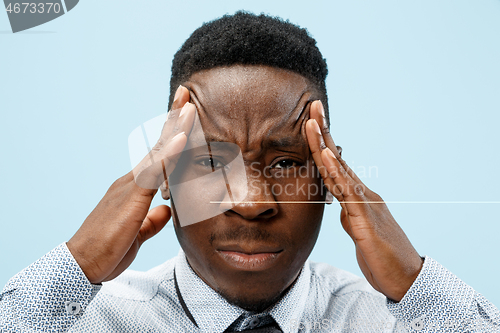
(411,273)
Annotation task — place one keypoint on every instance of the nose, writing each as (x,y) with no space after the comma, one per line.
(259,202)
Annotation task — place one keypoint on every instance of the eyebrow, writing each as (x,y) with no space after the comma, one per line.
(285,142)
(273,143)
(213,138)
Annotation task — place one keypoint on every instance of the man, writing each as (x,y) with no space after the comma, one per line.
(259,83)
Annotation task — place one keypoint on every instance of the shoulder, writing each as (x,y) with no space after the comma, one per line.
(131,302)
(338,281)
(337,297)
(333,288)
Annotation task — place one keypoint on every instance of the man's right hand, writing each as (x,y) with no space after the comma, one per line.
(110,237)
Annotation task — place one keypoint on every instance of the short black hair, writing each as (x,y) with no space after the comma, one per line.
(249,39)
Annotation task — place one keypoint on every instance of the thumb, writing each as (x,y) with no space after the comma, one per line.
(156,219)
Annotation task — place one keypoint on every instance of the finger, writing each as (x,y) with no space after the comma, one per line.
(336,178)
(155,168)
(352,190)
(181,97)
(318,113)
(177,120)
(354,202)
(317,145)
(156,219)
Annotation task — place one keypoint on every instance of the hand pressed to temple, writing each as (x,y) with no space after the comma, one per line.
(109,239)
(384,253)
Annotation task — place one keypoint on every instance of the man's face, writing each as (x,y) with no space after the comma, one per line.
(254,251)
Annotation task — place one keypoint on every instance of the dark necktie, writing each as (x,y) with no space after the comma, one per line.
(271,326)
(264,330)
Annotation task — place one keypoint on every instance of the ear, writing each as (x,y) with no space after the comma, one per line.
(165,191)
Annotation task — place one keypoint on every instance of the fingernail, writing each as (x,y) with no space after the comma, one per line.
(177,136)
(330,153)
(328,158)
(316,126)
(184,109)
(321,109)
(177,93)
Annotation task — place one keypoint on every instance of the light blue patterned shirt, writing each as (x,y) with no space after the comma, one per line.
(53,295)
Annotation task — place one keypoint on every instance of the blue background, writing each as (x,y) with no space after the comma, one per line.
(414,92)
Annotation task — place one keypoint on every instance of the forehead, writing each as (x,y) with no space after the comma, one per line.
(248,86)
(248,103)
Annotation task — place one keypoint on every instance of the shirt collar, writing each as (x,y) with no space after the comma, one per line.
(210,310)
(214,314)
(292,304)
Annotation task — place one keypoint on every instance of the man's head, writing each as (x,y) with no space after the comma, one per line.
(248,39)
(252,79)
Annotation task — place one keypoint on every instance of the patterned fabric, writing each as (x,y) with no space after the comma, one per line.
(53,295)
(37,296)
(213,313)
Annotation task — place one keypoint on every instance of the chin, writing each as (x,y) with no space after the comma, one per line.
(253,303)
(256,291)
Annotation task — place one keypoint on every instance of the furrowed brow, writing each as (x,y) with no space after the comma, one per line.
(214,138)
(284,142)
(278,143)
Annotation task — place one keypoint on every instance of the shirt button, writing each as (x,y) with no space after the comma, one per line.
(73,308)
(418,323)
(254,322)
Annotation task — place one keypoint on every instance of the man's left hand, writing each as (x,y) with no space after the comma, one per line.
(385,255)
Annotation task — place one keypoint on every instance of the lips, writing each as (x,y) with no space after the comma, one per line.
(251,258)
(255,249)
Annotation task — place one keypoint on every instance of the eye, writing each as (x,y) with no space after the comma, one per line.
(285,164)
(208,162)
